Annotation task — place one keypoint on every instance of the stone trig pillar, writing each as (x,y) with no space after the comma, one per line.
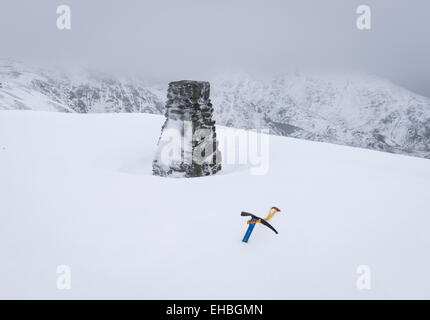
(187,146)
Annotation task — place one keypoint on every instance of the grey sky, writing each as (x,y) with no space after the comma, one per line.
(193,38)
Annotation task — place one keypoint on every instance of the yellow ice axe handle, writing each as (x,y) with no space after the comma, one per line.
(271,213)
(270,216)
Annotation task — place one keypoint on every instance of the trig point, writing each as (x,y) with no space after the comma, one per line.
(187,146)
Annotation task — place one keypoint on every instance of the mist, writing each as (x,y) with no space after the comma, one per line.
(193,39)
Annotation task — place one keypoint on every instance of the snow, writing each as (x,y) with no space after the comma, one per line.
(77,190)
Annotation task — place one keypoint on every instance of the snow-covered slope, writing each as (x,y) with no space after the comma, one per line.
(355,110)
(77,190)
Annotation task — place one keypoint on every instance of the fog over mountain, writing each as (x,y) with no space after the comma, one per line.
(356,110)
(193,39)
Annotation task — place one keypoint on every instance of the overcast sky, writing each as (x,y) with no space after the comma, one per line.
(181,39)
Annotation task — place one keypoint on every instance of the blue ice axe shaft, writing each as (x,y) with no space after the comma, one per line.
(249,231)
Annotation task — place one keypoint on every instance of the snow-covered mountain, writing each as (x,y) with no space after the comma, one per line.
(358,110)
(361,110)
(83,91)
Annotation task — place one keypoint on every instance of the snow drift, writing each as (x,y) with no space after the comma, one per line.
(77,190)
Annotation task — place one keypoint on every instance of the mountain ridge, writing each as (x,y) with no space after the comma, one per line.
(355,110)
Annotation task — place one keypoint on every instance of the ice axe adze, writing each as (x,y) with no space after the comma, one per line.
(254,220)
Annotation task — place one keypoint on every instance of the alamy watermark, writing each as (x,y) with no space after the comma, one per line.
(238,147)
(64,20)
(364,20)
(64,277)
(364,280)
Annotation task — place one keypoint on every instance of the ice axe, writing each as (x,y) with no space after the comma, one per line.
(254,220)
